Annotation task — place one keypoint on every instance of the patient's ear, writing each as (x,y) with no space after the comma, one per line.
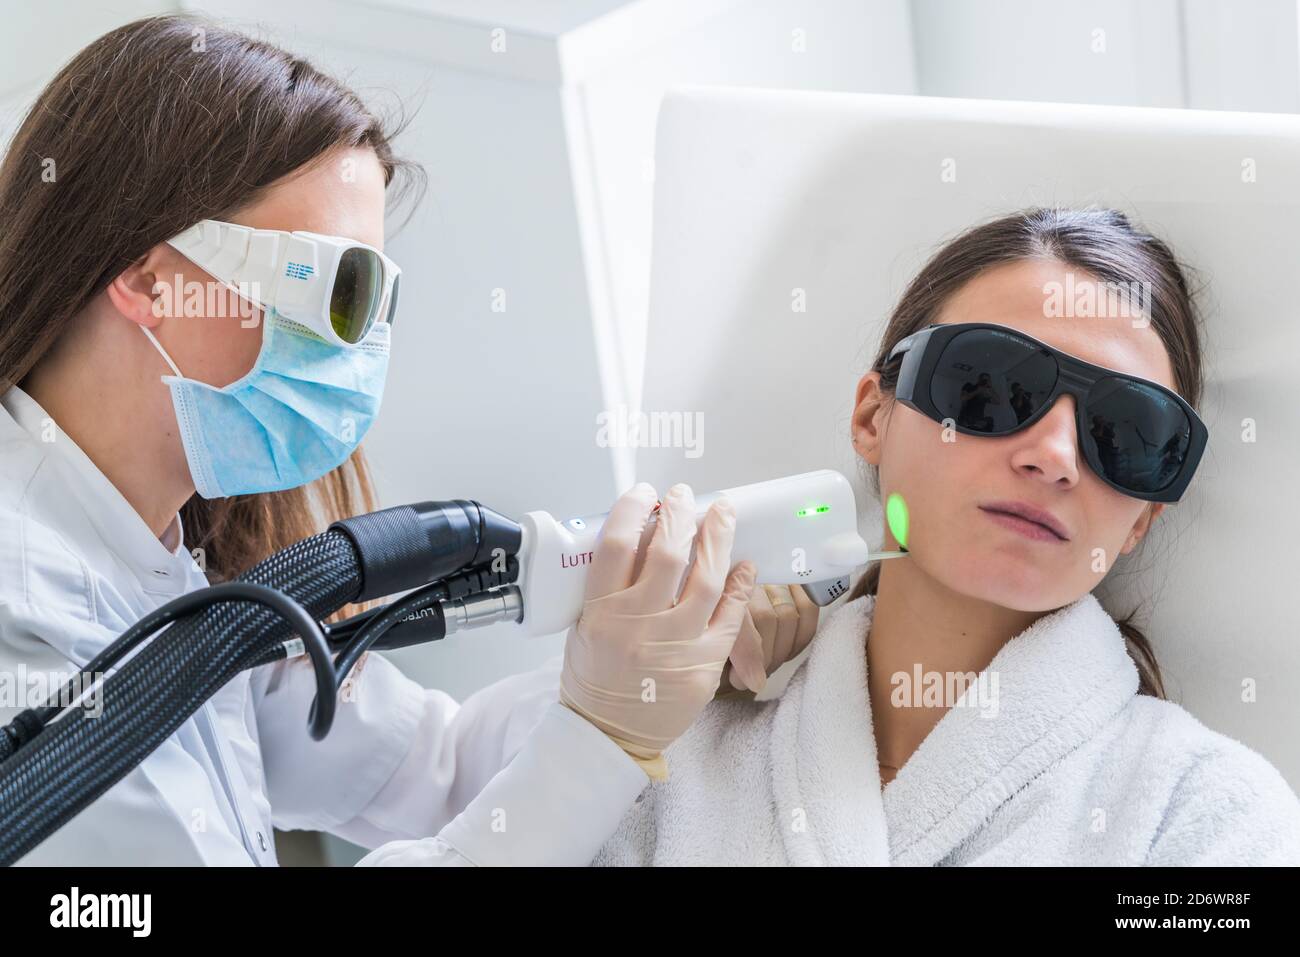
(1142,526)
(870,413)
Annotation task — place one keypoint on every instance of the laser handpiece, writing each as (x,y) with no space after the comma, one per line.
(800,529)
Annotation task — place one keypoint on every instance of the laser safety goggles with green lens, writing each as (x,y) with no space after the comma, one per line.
(336,287)
(1140,437)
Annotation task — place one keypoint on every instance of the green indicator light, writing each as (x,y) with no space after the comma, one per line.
(812,510)
(896,515)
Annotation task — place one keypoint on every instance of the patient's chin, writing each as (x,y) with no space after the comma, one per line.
(1013,581)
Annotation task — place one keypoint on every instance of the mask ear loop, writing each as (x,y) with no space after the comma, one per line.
(161,351)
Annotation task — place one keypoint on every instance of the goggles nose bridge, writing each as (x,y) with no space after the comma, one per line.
(1073,418)
(1080,381)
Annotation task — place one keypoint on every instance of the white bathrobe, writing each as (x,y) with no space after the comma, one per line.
(1065,765)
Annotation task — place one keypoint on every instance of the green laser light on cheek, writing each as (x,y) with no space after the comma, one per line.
(896,516)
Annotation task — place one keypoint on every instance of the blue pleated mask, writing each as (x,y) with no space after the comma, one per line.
(299,413)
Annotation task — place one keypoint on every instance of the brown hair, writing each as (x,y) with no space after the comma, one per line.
(154,126)
(1105,244)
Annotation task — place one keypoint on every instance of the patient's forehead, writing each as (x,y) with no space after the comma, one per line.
(1017,294)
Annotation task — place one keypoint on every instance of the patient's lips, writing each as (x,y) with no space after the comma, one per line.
(1029,520)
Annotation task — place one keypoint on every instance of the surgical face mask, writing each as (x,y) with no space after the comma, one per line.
(298,413)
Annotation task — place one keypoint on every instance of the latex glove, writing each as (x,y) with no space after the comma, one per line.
(638,664)
(780,621)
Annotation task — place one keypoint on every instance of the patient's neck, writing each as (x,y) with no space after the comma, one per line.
(919,622)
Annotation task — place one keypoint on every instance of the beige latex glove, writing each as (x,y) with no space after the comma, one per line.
(780,621)
(637,664)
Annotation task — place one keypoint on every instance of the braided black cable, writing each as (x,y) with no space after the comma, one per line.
(78,757)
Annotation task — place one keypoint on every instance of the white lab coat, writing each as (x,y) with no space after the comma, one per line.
(403,767)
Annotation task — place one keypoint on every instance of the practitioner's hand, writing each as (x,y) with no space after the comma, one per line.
(780,621)
(639,664)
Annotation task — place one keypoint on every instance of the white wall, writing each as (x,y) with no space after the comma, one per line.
(38,38)
(1200,54)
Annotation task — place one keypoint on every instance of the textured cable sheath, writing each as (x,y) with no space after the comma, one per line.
(77,757)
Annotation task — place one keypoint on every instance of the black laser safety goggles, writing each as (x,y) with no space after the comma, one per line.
(1141,438)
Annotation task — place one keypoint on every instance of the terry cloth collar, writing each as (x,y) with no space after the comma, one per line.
(1055,684)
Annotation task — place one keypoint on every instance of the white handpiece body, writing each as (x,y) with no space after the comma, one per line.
(801,529)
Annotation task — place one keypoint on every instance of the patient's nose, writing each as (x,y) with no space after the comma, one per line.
(1050,447)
